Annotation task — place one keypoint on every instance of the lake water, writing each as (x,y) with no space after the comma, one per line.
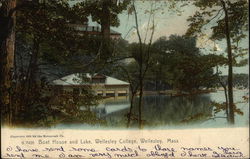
(164,112)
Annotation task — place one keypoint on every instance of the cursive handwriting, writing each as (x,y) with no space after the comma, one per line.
(122,151)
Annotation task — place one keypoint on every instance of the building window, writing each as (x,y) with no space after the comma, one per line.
(99,93)
(122,93)
(110,93)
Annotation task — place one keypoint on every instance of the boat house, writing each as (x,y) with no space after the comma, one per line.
(100,84)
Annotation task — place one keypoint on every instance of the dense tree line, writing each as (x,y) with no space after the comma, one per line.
(177,63)
(240,80)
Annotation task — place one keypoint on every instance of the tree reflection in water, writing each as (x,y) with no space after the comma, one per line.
(158,110)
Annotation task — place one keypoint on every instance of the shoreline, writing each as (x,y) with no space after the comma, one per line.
(174,93)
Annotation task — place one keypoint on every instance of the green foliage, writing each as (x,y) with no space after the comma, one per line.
(173,61)
(134,50)
(228,21)
(177,44)
(48,26)
(212,11)
(95,9)
(31,107)
(181,64)
(44,19)
(240,80)
(130,73)
(42,107)
(211,15)
(69,105)
(120,48)
(196,117)
(222,107)
(238,21)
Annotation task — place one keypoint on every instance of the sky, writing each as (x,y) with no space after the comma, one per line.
(168,22)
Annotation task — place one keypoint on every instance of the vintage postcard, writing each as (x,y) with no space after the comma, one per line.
(124,79)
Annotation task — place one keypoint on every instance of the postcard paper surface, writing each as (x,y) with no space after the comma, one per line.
(124,79)
(197,143)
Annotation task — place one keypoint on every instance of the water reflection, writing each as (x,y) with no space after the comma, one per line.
(157,110)
(165,110)
(109,106)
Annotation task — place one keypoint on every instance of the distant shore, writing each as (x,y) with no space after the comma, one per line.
(175,93)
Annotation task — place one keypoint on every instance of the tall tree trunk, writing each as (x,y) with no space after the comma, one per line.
(230,66)
(225,92)
(140,102)
(30,83)
(227,113)
(33,64)
(105,28)
(140,68)
(7,20)
(131,108)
